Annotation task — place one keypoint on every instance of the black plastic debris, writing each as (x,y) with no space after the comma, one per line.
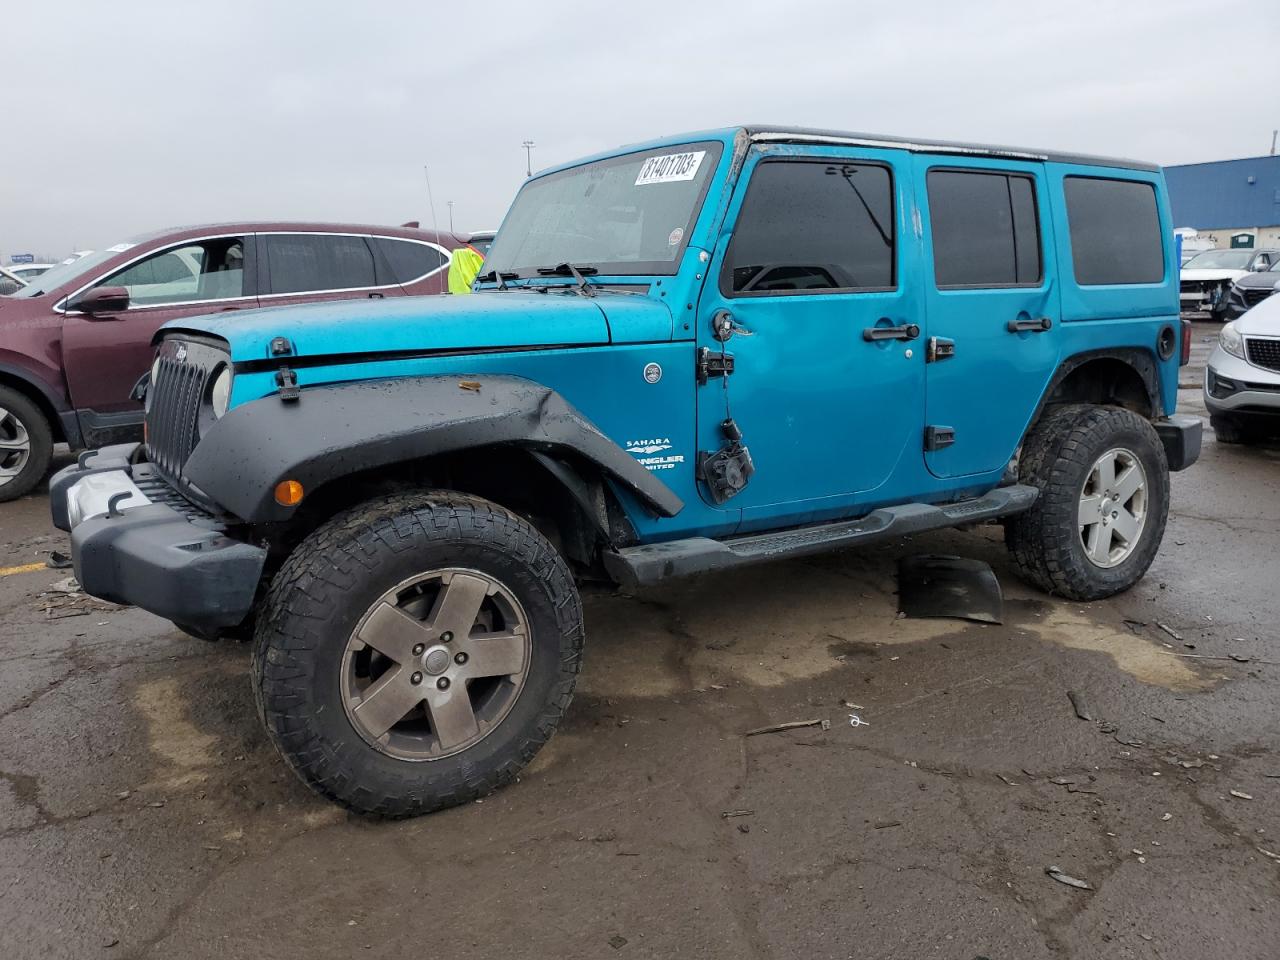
(58,561)
(943,586)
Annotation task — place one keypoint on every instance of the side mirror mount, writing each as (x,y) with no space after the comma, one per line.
(102,300)
(1260,266)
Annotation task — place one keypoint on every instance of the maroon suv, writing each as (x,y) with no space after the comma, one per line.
(75,341)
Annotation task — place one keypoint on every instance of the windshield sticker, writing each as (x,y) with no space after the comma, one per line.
(670,168)
(120,247)
(674,238)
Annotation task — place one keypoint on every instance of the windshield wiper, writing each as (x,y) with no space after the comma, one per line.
(499,276)
(569,270)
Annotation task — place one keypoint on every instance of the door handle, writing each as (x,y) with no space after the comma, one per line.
(375,296)
(1038,325)
(228,309)
(906,331)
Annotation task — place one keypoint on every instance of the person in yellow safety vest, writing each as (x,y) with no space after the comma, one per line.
(464,266)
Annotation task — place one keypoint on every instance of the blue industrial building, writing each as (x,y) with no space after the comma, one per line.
(1228,199)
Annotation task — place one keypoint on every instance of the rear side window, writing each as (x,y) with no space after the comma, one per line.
(409,261)
(986,231)
(312,262)
(1115,231)
(808,226)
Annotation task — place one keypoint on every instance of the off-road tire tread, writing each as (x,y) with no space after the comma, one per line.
(293,612)
(41,436)
(1043,541)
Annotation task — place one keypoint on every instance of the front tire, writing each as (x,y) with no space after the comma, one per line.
(416,652)
(26,445)
(1229,430)
(1104,501)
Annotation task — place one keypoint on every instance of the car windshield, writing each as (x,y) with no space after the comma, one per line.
(1220,260)
(63,273)
(627,215)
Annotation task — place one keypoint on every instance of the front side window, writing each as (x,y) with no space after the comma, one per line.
(1115,231)
(192,273)
(986,232)
(628,215)
(314,262)
(813,226)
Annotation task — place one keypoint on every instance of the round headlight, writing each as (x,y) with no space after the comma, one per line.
(221,394)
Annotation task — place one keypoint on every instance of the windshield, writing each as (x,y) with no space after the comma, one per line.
(55,277)
(1220,260)
(625,215)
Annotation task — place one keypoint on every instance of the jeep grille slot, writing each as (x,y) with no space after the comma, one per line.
(174,401)
(1263,353)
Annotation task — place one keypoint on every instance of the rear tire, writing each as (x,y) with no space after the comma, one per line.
(1104,500)
(26,445)
(415,652)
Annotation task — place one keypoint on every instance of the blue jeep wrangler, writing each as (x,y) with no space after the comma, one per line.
(694,354)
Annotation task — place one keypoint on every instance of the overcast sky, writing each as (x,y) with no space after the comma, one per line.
(136,114)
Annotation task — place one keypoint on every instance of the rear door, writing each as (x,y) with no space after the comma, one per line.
(104,355)
(992,307)
(306,267)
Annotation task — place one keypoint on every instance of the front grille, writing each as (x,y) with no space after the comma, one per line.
(1255,295)
(1191,286)
(1263,353)
(175,402)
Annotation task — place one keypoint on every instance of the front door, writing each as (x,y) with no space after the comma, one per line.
(815,270)
(104,355)
(992,306)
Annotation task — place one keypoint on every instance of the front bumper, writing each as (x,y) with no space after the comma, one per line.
(1235,387)
(130,549)
(1181,436)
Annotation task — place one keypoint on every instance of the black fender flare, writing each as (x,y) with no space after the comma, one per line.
(338,430)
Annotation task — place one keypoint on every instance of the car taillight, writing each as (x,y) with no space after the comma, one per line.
(1186,344)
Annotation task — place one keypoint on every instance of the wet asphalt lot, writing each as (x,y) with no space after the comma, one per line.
(143,813)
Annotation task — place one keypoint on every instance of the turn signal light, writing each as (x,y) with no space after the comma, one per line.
(288,493)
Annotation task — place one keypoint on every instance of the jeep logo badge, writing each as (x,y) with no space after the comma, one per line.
(652,373)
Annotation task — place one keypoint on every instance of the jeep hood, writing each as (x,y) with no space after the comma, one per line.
(487,320)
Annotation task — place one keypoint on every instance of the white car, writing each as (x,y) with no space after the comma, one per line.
(28,271)
(1242,378)
(1207,277)
(10,282)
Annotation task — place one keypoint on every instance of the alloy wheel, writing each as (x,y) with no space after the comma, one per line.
(15,446)
(436,664)
(1113,507)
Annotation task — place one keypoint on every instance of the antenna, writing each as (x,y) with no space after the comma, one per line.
(1273,141)
(449,204)
(431,200)
(528,157)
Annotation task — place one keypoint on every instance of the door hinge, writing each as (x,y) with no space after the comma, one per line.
(940,348)
(935,438)
(287,381)
(713,364)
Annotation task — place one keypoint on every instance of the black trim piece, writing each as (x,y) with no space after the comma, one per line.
(1181,436)
(373,356)
(1142,361)
(654,562)
(343,429)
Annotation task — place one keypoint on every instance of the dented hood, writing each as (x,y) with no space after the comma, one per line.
(481,321)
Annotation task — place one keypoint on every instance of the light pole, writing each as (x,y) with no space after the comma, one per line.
(528,157)
(450,204)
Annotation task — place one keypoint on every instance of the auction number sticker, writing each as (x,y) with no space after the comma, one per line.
(670,167)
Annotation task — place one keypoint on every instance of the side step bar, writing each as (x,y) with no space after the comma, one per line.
(653,562)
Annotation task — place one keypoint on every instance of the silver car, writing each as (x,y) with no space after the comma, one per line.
(1242,380)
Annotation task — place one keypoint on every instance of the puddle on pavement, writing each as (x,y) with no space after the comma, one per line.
(778,624)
